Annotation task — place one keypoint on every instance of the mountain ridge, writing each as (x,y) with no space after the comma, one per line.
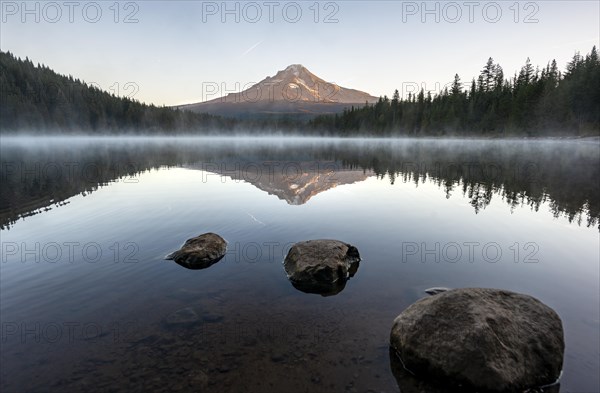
(293,90)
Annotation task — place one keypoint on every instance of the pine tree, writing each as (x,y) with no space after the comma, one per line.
(456,87)
(488,75)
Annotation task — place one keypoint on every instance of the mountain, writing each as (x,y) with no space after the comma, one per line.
(293,91)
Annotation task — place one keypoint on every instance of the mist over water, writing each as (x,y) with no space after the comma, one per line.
(520,172)
(86,223)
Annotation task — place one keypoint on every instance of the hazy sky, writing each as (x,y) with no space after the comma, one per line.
(171,50)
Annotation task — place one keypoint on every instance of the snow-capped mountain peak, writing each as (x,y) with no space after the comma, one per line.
(295,68)
(293,89)
(296,83)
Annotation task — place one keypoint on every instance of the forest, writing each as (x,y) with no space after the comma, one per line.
(534,102)
(36,99)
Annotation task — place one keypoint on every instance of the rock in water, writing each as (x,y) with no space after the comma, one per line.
(483,339)
(200,252)
(182,317)
(321,266)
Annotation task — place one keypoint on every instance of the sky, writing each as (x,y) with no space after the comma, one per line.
(178,52)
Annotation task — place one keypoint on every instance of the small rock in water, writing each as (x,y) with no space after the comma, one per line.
(321,266)
(182,317)
(436,290)
(200,252)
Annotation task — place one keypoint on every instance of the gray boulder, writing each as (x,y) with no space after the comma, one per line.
(321,266)
(200,252)
(481,339)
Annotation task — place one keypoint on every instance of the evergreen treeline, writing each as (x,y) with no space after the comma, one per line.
(533,102)
(35,98)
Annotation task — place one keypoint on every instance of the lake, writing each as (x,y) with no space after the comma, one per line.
(88,301)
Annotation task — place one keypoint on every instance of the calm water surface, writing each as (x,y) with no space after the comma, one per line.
(88,302)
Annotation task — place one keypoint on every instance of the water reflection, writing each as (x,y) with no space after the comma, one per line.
(325,287)
(240,325)
(295,182)
(39,177)
(196,266)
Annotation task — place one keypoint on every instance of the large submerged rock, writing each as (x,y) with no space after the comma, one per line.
(200,252)
(481,339)
(321,266)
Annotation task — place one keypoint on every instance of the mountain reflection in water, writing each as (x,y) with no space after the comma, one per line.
(37,177)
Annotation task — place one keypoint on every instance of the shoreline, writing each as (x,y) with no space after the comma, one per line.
(264,137)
